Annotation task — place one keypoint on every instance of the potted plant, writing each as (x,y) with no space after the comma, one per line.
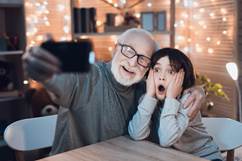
(211,89)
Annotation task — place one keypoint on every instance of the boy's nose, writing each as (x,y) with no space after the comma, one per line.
(162,77)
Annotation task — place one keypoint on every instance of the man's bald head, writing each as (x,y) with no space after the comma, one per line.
(137,36)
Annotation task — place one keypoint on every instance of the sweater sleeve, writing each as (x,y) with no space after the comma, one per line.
(139,126)
(173,122)
(63,87)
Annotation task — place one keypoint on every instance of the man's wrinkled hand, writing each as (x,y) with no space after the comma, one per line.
(39,64)
(194,101)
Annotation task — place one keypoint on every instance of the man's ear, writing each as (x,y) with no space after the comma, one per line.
(115,49)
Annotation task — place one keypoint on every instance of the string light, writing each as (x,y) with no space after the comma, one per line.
(36,18)
(223,11)
(198,26)
(202,10)
(149,4)
(110,48)
(60,7)
(212,15)
(210,50)
(98,23)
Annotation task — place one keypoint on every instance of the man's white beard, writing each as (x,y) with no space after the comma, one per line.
(120,79)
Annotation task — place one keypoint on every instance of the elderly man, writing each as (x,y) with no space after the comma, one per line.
(97,105)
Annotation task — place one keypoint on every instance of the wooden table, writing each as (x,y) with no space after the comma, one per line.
(123,149)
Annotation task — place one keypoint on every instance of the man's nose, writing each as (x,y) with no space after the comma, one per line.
(133,61)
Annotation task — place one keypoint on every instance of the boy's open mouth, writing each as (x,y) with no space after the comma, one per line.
(161,88)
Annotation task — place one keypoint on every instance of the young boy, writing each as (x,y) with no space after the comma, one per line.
(161,115)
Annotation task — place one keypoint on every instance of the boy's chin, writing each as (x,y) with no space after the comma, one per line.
(161,97)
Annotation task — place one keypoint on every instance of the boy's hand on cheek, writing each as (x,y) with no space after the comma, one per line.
(175,86)
(150,84)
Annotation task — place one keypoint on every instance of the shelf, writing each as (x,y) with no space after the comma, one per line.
(82,35)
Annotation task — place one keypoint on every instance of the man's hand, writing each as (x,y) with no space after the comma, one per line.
(39,64)
(194,101)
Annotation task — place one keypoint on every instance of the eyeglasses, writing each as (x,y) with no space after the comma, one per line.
(129,52)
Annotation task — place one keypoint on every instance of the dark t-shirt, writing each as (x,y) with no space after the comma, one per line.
(93,107)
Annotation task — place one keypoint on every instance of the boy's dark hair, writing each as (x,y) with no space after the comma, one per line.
(178,60)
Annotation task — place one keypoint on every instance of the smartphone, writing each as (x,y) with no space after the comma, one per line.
(73,55)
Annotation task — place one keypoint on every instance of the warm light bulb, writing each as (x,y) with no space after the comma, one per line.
(199,49)
(66,17)
(212,15)
(223,11)
(185,15)
(149,4)
(218,42)
(25,82)
(60,7)
(40,38)
(47,23)
(195,17)
(137,15)
(83,37)
(224,32)
(182,22)
(99,23)
(195,4)
(210,50)
(201,10)
(110,48)
(178,1)
(37,4)
(208,38)
(232,69)
(224,19)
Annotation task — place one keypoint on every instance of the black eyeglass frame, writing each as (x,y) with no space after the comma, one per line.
(138,55)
